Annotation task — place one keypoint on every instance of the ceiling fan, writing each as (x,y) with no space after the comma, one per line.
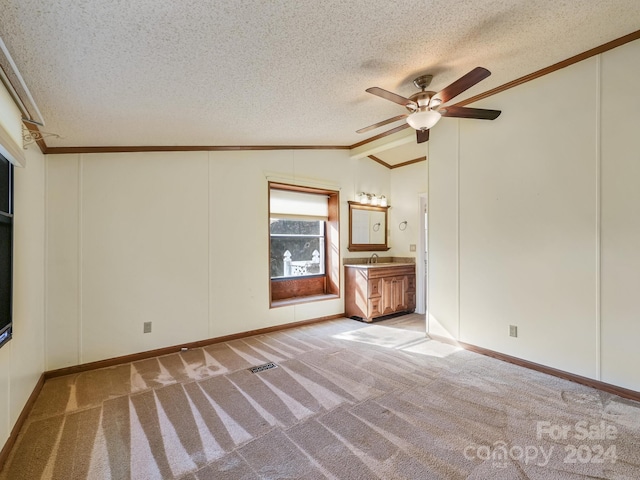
(426,107)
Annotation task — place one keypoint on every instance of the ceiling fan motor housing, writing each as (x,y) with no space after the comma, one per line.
(421,99)
(423,81)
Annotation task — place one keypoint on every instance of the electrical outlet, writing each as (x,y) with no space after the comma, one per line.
(146,327)
(513,331)
(412,247)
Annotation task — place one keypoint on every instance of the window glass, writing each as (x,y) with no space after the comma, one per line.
(297,247)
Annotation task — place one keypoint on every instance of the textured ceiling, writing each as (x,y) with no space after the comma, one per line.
(224,72)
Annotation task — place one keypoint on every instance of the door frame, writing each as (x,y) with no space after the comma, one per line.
(421,260)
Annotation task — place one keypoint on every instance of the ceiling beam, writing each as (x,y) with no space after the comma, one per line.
(396,139)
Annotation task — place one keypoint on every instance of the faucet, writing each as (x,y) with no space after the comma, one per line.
(373,258)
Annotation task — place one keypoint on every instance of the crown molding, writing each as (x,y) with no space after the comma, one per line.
(555,67)
(410,162)
(188,148)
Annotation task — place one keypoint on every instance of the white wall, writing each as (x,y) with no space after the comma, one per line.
(533,215)
(620,207)
(27,345)
(179,239)
(443,259)
(22,358)
(407,183)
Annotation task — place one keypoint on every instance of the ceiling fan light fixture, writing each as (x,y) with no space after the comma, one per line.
(423,119)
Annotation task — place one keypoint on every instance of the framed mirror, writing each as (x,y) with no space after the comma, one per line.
(367,228)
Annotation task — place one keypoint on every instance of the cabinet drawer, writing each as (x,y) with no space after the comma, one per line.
(375,287)
(374,308)
(391,271)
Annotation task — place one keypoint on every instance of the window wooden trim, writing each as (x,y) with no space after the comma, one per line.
(319,286)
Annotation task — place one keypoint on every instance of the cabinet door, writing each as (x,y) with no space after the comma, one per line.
(387,300)
(401,287)
(394,298)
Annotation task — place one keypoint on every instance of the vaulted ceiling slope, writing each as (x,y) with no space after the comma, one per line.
(163,72)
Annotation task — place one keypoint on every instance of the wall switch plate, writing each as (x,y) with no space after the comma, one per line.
(513,331)
(146,327)
(412,247)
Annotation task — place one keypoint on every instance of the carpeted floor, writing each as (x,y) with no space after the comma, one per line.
(348,400)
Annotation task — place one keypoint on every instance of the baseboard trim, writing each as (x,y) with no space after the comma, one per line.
(13,436)
(589,382)
(134,357)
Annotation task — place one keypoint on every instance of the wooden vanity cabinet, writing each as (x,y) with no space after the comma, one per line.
(373,291)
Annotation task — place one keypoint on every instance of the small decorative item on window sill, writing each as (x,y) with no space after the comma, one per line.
(403,226)
(372,199)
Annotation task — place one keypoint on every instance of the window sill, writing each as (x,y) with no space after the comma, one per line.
(298,300)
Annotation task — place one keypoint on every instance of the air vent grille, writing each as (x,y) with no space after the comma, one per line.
(262,368)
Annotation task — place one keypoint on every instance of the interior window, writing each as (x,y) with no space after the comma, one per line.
(303,243)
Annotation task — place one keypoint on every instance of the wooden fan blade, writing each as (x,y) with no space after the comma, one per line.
(384,122)
(463,83)
(395,98)
(464,112)
(422,136)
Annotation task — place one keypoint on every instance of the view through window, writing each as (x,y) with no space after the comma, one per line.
(297,247)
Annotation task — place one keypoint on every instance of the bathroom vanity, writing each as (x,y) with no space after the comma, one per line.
(379,289)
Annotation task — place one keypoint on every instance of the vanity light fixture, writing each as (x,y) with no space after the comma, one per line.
(372,199)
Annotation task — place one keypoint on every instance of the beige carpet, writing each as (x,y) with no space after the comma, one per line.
(347,401)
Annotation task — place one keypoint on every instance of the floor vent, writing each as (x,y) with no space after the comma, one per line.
(262,368)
